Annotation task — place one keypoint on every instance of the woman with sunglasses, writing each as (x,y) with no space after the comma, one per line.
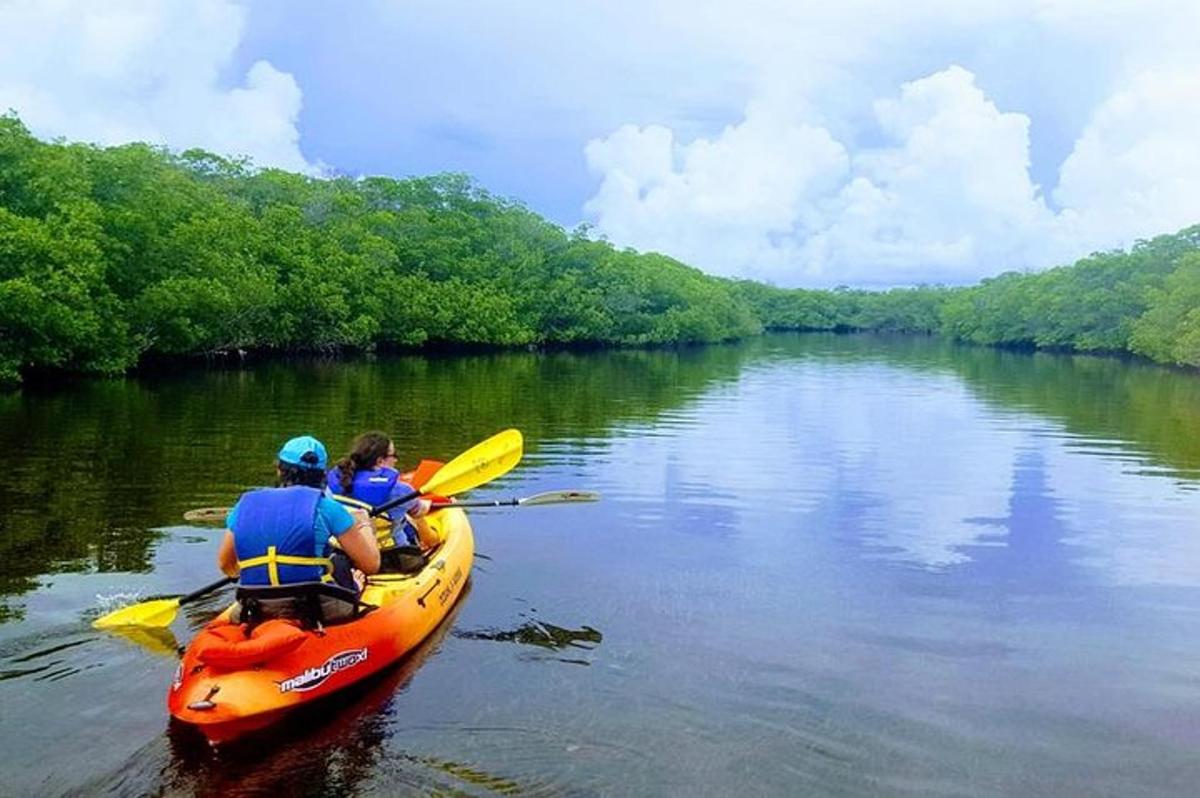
(368,476)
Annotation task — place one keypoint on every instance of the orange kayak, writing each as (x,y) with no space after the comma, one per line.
(229,684)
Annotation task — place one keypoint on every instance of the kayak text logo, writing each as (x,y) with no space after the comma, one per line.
(313,678)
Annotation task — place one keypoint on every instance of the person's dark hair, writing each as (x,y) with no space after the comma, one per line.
(295,475)
(367,449)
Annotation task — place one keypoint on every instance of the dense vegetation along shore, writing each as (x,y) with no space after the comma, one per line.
(111,255)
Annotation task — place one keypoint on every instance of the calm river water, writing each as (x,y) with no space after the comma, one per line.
(829,565)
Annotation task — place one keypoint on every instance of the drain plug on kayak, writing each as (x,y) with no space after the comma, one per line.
(206,703)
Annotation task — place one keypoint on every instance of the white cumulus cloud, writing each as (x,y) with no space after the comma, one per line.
(723,202)
(142,70)
(841,172)
(1135,170)
(948,194)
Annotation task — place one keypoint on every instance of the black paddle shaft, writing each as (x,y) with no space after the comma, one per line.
(496,503)
(396,502)
(195,594)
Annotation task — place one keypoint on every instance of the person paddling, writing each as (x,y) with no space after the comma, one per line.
(280,537)
(367,477)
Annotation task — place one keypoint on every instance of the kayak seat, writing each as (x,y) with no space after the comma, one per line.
(313,604)
(402,560)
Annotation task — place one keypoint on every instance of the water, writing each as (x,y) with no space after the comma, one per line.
(823,565)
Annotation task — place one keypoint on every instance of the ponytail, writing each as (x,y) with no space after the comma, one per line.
(367,450)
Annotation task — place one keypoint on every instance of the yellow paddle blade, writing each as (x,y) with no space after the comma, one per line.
(481,463)
(559,497)
(159,612)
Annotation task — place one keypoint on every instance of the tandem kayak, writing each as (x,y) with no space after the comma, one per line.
(228,684)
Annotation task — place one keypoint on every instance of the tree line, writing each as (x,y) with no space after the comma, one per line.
(112,256)
(1144,301)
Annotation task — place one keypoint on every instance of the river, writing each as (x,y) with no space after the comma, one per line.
(828,565)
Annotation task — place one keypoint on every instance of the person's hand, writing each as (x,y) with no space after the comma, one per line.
(422,507)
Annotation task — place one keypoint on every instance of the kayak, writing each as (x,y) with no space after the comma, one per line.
(228,684)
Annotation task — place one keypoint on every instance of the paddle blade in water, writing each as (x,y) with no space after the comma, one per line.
(159,612)
(481,463)
(560,497)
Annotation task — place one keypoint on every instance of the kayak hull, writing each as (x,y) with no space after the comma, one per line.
(225,702)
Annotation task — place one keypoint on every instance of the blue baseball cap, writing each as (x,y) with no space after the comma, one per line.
(305,452)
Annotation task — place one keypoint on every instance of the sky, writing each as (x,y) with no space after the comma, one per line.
(868,143)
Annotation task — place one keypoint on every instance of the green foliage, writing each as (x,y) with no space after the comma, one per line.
(1169,330)
(111,254)
(1138,301)
(911,310)
(1145,301)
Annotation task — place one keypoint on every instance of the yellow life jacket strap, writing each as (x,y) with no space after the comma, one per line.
(273,560)
(337,497)
(383,524)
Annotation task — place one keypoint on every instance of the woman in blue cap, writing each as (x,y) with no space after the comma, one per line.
(281,536)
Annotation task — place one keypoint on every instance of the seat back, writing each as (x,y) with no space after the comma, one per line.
(312,603)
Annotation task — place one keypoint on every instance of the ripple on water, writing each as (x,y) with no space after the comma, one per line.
(523,760)
(43,662)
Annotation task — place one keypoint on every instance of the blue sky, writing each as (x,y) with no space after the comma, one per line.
(868,144)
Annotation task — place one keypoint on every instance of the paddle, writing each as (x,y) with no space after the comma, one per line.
(550,497)
(481,463)
(157,612)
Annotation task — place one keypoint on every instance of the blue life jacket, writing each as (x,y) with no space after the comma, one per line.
(275,536)
(372,487)
(368,490)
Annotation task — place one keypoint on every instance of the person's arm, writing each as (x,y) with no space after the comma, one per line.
(413,511)
(414,507)
(227,555)
(355,534)
(426,536)
(360,546)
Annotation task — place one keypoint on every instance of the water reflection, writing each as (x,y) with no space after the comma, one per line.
(858,564)
(1027,547)
(151,638)
(897,450)
(97,468)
